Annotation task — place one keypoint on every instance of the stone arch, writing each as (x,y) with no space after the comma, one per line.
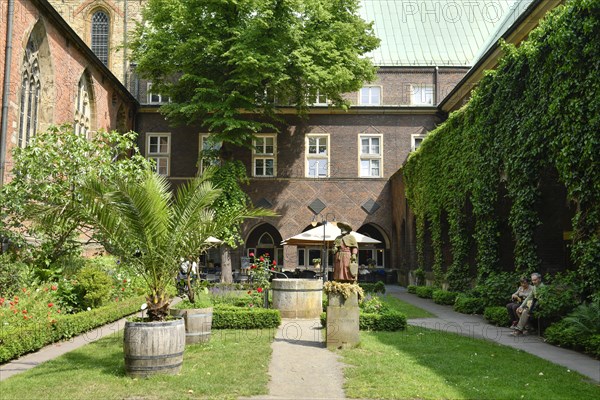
(36,91)
(257,242)
(380,253)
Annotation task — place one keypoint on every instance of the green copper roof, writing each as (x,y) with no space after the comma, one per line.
(434,32)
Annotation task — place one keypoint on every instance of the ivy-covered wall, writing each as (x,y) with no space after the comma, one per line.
(537,114)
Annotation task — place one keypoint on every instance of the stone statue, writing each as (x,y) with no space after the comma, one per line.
(345,260)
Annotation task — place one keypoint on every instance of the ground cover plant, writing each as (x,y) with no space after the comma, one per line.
(234,363)
(422,363)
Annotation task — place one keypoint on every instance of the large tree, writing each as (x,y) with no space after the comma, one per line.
(222,62)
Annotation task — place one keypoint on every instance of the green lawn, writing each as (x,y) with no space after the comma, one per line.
(425,364)
(408,309)
(232,364)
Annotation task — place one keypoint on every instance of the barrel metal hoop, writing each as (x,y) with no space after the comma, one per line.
(130,357)
(154,368)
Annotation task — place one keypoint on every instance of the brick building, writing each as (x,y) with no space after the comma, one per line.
(333,164)
(50,76)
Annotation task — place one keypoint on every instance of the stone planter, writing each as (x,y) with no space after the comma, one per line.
(342,321)
(153,347)
(198,322)
(298,298)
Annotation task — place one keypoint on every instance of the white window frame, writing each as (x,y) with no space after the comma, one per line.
(308,157)
(315,98)
(362,101)
(370,155)
(149,95)
(158,156)
(216,146)
(414,138)
(425,97)
(263,156)
(83,107)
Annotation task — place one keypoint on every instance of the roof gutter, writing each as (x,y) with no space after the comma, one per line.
(6,88)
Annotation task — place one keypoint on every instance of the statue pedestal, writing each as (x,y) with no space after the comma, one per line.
(342,321)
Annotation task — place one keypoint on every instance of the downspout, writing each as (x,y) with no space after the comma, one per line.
(125,74)
(435,84)
(6,89)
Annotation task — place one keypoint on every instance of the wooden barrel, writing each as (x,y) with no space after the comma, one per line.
(153,347)
(198,322)
(298,298)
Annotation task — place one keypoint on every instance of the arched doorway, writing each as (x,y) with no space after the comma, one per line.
(375,255)
(265,239)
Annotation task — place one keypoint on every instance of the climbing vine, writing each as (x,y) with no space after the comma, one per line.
(539,111)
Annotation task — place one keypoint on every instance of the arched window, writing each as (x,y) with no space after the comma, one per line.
(30,94)
(83,107)
(100,24)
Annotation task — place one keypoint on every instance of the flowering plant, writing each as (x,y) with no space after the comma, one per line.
(259,270)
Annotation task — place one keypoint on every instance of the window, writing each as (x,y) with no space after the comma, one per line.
(317,156)
(30,94)
(155,98)
(370,155)
(301,256)
(370,96)
(316,98)
(209,152)
(422,95)
(100,25)
(416,141)
(159,150)
(264,155)
(82,107)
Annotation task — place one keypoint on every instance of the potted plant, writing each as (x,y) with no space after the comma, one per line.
(147,226)
(316,263)
(196,311)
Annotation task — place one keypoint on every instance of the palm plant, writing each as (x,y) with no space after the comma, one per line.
(150,228)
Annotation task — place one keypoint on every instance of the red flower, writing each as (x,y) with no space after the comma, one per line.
(2,300)
(16,299)
(253,266)
(259,290)
(122,289)
(54,287)
(117,299)
(124,280)
(274,262)
(272,268)
(45,289)
(24,290)
(251,254)
(50,304)
(58,311)
(24,311)
(25,317)
(261,258)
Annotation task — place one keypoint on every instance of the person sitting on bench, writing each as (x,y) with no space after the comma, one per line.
(524,310)
(516,299)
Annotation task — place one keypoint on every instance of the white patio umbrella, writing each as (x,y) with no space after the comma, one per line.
(328,234)
(213,240)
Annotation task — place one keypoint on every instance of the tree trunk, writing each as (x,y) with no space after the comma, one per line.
(226,271)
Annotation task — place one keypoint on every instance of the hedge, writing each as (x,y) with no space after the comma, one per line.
(15,342)
(377,287)
(468,305)
(444,297)
(425,292)
(390,321)
(245,318)
(412,289)
(497,316)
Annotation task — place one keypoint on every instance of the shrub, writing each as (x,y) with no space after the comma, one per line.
(16,341)
(378,287)
(323,318)
(94,286)
(245,318)
(389,321)
(444,297)
(412,289)
(468,305)
(496,315)
(13,275)
(585,319)
(592,345)
(497,288)
(373,305)
(555,302)
(562,334)
(425,292)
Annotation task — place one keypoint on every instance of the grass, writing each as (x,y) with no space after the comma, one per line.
(426,364)
(408,309)
(234,363)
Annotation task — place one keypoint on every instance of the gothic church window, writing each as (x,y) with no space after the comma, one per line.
(30,94)
(100,28)
(83,107)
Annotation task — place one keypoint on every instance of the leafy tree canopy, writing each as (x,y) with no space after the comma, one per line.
(222,60)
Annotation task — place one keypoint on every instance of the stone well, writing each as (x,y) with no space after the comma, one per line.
(298,298)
